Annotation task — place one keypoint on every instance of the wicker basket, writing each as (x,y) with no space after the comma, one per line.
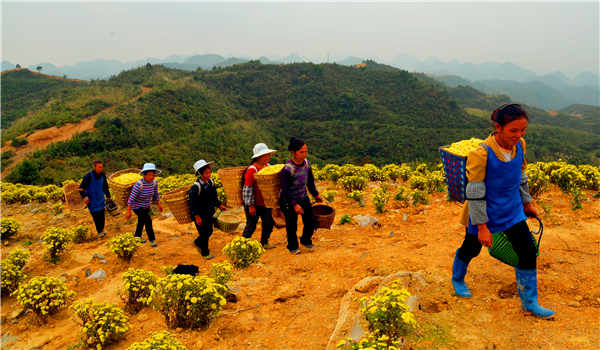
(177,202)
(324,215)
(73,197)
(120,193)
(228,222)
(231,179)
(270,188)
(455,167)
(112,208)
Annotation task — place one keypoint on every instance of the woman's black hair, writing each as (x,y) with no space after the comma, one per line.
(295,144)
(508,113)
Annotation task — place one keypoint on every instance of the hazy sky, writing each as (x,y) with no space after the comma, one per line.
(543,37)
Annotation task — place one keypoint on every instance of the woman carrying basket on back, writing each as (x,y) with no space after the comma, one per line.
(254,204)
(296,177)
(498,201)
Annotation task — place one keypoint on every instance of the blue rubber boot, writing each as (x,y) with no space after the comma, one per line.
(459,270)
(527,285)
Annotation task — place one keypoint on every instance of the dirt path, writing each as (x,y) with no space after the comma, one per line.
(39,139)
(292,302)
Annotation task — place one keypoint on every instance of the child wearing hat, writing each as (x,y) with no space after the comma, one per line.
(254,203)
(203,201)
(143,193)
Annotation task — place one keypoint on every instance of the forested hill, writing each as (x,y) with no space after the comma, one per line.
(372,113)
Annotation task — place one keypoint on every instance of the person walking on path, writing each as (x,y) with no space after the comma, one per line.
(93,189)
(143,193)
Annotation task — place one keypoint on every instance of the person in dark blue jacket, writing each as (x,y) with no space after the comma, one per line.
(93,189)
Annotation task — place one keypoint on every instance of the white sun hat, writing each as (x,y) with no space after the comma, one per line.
(149,167)
(201,164)
(260,149)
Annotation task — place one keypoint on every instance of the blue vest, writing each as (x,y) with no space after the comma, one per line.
(503,198)
(95,193)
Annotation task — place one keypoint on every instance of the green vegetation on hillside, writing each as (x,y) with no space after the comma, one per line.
(375,114)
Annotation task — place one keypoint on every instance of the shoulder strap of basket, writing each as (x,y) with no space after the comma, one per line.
(487,149)
(290,168)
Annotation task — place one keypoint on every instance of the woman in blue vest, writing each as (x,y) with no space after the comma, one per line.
(498,201)
(93,188)
(296,177)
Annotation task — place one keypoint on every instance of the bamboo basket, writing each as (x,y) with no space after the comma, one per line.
(73,196)
(120,193)
(270,187)
(228,222)
(324,215)
(177,202)
(231,179)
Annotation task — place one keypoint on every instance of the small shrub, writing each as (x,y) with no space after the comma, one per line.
(57,208)
(537,180)
(576,200)
(405,172)
(243,252)
(568,178)
(346,218)
(403,197)
(353,183)
(419,197)
(373,173)
(9,227)
(222,273)
(186,301)
(167,269)
(418,182)
(370,342)
(349,170)
(43,295)
(101,323)
(80,234)
(357,196)
(380,199)
(11,275)
(387,313)
(138,286)
(158,340)
(125,245)
(18,257)
(329,195)
(391,171)
(330,172)
(56,240)
(592,176)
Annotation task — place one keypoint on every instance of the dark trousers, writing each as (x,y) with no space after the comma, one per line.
(291,224)
(520,238)
(98,217)
(265,214)
(204,233)
(144,219)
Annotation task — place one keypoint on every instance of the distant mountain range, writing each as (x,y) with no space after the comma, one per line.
(549,91)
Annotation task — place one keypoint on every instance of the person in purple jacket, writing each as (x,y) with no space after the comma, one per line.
(143,193)
(296,176)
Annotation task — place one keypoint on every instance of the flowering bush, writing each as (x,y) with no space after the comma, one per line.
(125,245)
(373,173)
(170,183)
(329,172)
(537,180)
(387,312)
(353,183)
(436,181)
(80,234)
(243,252)
(370,342)
(221,273)
(9,227)
(158,340)
(418,197)
(357,196)
(405,171)
(380,199)
(568,178)
(403,196)
(592,176)
(19,193)
(350,170)
(391,171)
(329,195)
(101,323)
(138,286)
(43,295)
(56,240)
(186,301)
(18,257)
(11,270)
(418,182)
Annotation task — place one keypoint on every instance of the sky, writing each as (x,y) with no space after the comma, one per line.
(541,36)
